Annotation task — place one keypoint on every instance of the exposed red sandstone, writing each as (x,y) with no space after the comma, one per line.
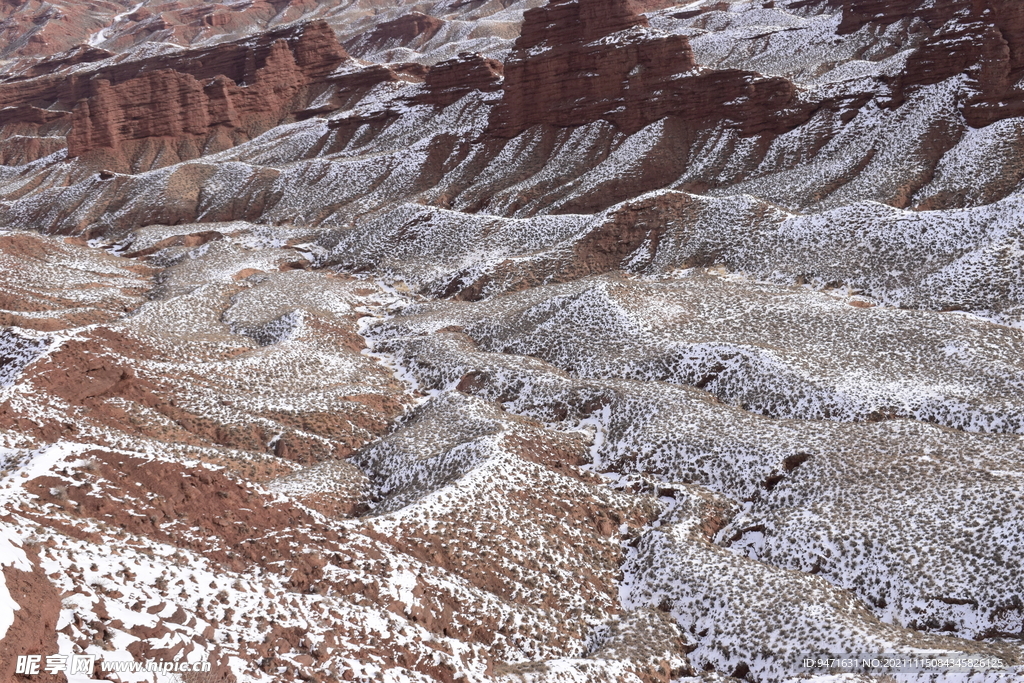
(95,376)
(182,502)
(206,99)
(80,54)
(450,80)
(562,73)
(350,87)
(401,31)
(35,28)
(982,39)
(34,628)
(192,116)
(191,103)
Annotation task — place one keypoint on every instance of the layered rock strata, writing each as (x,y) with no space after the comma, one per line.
(578,342)
(580,61)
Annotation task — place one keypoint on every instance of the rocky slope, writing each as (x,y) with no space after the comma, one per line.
(578,340)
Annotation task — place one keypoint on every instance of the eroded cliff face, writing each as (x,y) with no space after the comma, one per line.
(34,29)
(981,41)
(163,116)
(562,74)
(569,341)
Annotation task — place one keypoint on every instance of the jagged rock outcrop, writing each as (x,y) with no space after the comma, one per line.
(579,61)
(30,29)
(314,46)
(80,54)
(39,604)
(402,31)
(983,41)
(181,118)
(35,28)
(634,342)
(448,81)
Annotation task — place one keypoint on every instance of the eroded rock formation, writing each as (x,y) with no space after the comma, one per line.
(174,116)
(402,31)
(583,342)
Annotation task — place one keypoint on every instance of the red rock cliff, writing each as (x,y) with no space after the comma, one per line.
(566,71)
(401,31)
(450,80)
(980,39)
(188,113)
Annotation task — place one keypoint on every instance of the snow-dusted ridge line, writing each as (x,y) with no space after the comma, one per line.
(379,394)
(708,332)
(96,39)
(681,435)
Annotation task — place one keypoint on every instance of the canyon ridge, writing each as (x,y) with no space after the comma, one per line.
(512,341)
